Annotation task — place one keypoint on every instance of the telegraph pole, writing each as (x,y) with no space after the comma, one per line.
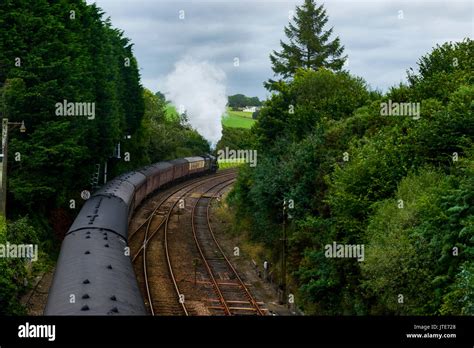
(283,267)
(287,206)
(4,158)
(283,257)
(3,181)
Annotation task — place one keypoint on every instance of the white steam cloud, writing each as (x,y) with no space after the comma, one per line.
(198,88)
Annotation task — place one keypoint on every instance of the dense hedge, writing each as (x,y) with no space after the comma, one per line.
(402,186)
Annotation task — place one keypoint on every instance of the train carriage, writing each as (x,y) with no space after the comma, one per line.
(195,164)
(103,213)
(166,170)
(138,180)
(94,270)
(92,262)
(180,168)
(121,189)
(154,174)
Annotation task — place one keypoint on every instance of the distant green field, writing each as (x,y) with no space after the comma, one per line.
(237,119)
(239,113)
(224,164)
(232,119)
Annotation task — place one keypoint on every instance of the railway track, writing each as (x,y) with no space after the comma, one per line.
(233,295)
(180,293)
(163,295)
(163,209)
(173,192)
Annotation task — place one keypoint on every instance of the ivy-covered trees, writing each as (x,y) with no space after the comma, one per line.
(56,51)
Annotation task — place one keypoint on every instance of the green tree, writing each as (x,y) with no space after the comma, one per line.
(235,138)
(47,57)
(161,96)
(310,97)
(240,101)
(443,70)
(309,44)
(237,101)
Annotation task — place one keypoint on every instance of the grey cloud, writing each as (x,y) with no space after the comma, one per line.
(381,47)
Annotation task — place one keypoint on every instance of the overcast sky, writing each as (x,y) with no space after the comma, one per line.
(382,38)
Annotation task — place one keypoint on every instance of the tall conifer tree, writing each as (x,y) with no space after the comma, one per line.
(309,44)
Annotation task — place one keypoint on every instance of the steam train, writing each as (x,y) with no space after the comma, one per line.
(94,274)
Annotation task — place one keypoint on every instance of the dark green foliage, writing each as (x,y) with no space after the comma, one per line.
(47,57)
(240,101)
(313,96)
(410,250)
(235,138)
(161,96)
(15,273)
